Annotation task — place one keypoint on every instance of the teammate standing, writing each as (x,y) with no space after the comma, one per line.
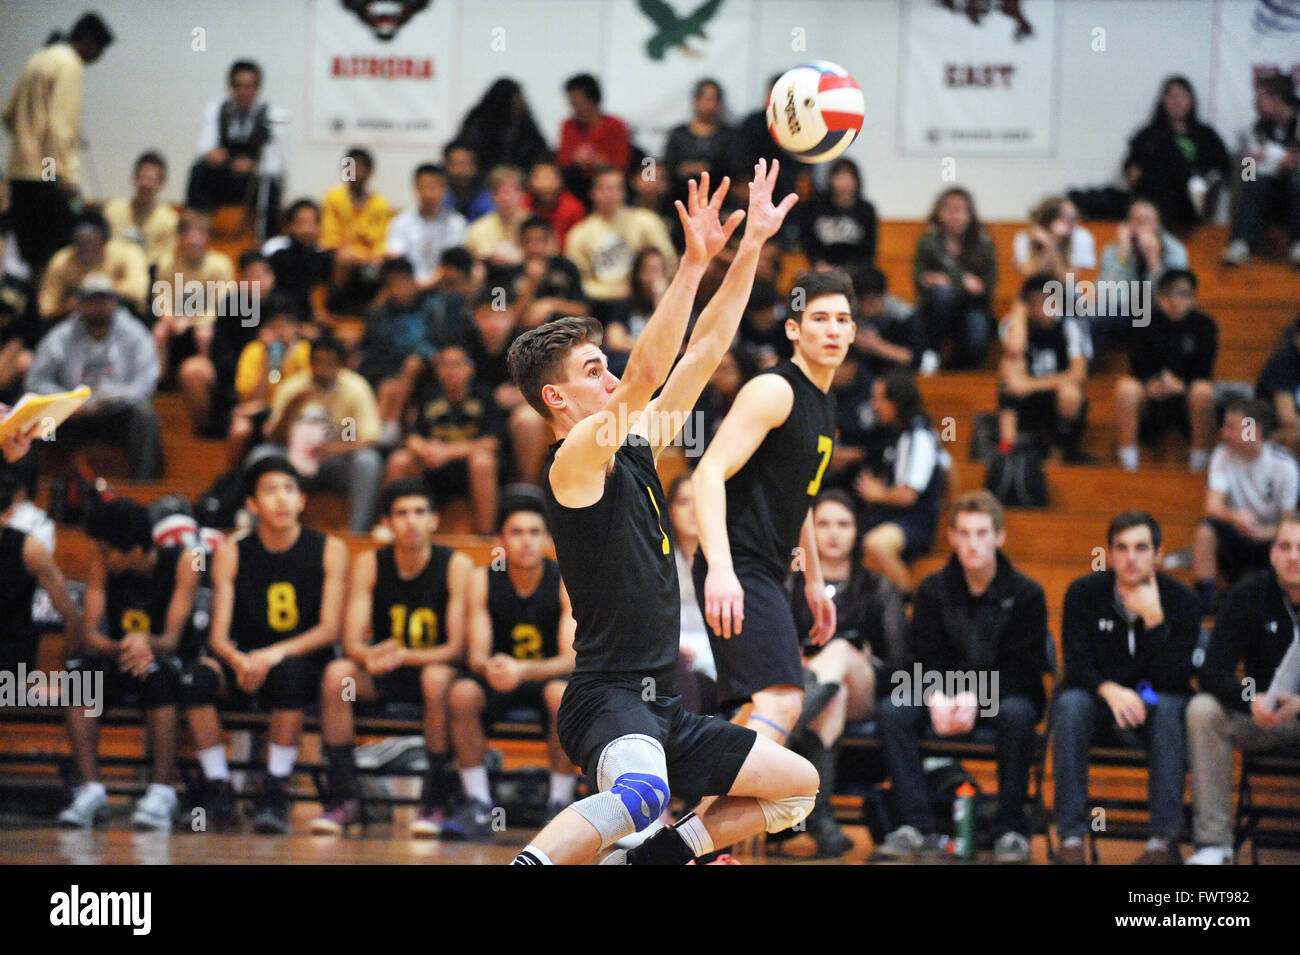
(620,719)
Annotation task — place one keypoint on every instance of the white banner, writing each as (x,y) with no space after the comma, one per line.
(1251,38)
(379,72)
(978,78)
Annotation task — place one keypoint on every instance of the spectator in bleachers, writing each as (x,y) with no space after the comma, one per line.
(1251,489)
(546,285)
(648,282)
(519,655)
(1177,161)
(20,330)
(142,217)
(26,564)
(237,147)
(494,237)
(138,605)
(178,336)
(403,636)
(1040,387)
(889,331)
(1279,385)
(604,245)
(734,369)
(978,615)
(1142,250)
(1171,374)
(870,625)
(465,194)
(855,420)
(300,264)
(43,115)
(955,270)
(1274,144)
(458,275)
(760,332)
(700,144)
(1127,634)
(327,420)
(1055,241)
(697,673)
(501,130)
(590,140)
(902,481)
(104,346)
(421,233)
(354,226)
(1235,708)
(275,355)
(92,251)
(651,190)
(838,226)
(548,198)
(277,607)
(456,442)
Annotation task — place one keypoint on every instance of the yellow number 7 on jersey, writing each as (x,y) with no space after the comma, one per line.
(824,447)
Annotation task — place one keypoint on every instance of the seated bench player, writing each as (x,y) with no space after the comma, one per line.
(521,631)
(277,604)
(403,635)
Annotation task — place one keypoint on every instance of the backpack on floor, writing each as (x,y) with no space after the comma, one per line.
(1017,478)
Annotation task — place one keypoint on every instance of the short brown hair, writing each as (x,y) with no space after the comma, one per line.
(978,502)
(537,357)
(502,174)
(811,284)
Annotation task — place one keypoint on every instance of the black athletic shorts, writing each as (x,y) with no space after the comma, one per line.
(159,687)
(766,651)
(449,482)
(1159,416)
(1237,554)
(292,684)
(1034,412)
(704,753)
(526,696)
(400,686)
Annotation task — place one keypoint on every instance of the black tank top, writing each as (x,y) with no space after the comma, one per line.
(768,498)
(413,612)
(277,595)
(137,603)
(526,628)
(617,560)
(19,586)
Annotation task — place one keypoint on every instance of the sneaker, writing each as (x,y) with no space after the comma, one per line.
(471,822)
(1159,852)
(273,808)
(904,843)
(1294,254)
(1211,855)
(1071,852)
(156,809)
(929,363)
(219,804)
(1011,849)
(428,824)
(830,838)
(337,821)
(1128,459)
(89,806)
(1236,253)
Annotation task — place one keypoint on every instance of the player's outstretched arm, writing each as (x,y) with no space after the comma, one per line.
(578,473)
(716,327)
(761,405)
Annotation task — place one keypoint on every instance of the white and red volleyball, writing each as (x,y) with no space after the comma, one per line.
(815,111)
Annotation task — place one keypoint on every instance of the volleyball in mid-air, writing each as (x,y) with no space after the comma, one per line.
(815,111)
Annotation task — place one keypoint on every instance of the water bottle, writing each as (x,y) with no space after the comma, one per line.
(275,358)
(963,822)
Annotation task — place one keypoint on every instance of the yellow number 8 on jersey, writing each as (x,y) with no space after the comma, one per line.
(281,607)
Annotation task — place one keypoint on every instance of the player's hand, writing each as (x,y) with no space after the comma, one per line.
(972,283)
(503,673)
(765,218)
(136,655)
(1125,705)
(724,602)
(1144,600)
(952,716)
(869,487)
(1271,717)
(383,657)
(256,667)
(823,609)
(705,235)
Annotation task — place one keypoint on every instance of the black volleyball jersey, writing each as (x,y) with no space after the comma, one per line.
(414,611)
(137,603)
(526,628)
(277,595)
(769,497)
(617,560)
(19,586)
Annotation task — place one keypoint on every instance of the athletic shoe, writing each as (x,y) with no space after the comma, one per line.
(1159,852)
(1011,849)
(428,825)
(89,806)
(1294,254)
(1236,253)
(929,363)
(1211,855)
(1071,852)
(471,822)
(273,808)
(904,844)
(336,821)
(156,809)
(831,840)
(219,804)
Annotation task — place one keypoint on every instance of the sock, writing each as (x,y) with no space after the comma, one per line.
(1205,591)
(341,772)
(213,761)
(531,855)
(280,759)
(1005,446)
(665,847)
(475,783)
(433,794)
(562,787)
(691,828)
(1128,457)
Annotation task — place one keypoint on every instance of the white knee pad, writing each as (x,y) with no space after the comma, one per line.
(781,814)
(632,774)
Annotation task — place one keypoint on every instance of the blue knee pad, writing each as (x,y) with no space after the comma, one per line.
(632,775)
(644,796)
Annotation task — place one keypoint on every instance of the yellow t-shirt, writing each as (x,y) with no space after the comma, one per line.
(488,233)
(603,250)
(156,234)
(124,263)
(345,223)
(254,366)
(44,115)
(349,404)
(172,286)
